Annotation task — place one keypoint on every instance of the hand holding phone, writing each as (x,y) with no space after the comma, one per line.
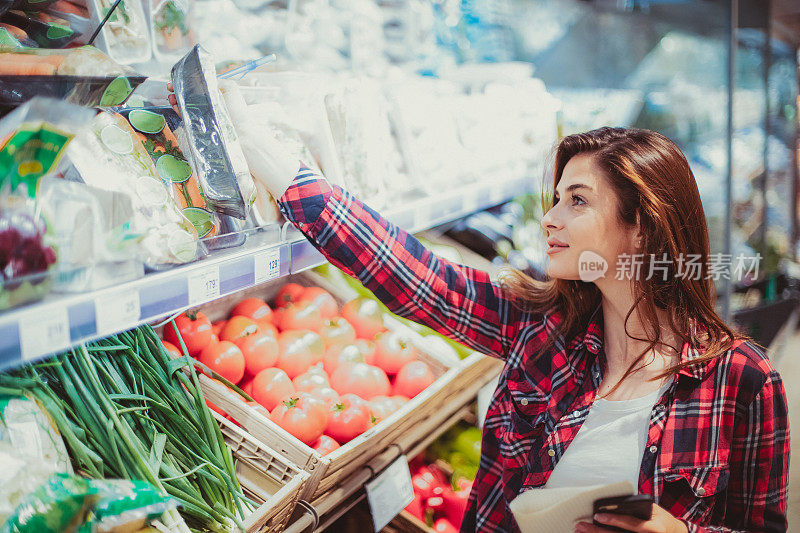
(637,505)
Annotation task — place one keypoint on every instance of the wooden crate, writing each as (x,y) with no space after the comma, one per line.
(267,478)
(456,383)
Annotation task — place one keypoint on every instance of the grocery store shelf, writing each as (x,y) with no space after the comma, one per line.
(324,511)
(60,321)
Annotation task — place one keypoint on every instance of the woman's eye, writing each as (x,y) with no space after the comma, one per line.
(576,199)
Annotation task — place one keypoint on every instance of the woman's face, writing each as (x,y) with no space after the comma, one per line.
(584,219)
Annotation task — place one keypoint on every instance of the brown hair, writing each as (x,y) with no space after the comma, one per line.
(654,186)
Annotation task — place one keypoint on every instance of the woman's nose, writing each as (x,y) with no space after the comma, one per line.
(550,220)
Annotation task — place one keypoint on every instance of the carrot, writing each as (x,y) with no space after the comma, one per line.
(69,7)
(52,61)
(13,30)
(25,68)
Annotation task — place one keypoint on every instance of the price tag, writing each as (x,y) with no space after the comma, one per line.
(204,285)
(484,399)
(116,312)
(390,492)
(42,333)
(268,265)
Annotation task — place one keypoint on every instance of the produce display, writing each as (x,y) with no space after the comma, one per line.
(315,369)
(126,410)
(222,417)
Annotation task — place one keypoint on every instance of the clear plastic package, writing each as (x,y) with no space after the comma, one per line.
(215,154)
(170,28)
(45,34)
(93,232)
(110,156)
(31,450)
(125,36)
(301,111)
(83,76)
(156,127)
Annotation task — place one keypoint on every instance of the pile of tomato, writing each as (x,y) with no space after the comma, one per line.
(322,373)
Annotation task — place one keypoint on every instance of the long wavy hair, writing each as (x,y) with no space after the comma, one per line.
(654,186)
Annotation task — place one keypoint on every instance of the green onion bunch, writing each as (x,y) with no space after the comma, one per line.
(126,409)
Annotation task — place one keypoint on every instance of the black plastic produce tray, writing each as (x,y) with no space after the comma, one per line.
(89,91)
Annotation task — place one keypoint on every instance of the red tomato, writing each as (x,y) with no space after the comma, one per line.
(277,318)
(399,401)
(238,327)
(365,316)
(322,300)
(254,309)
(289,293)
(301,315)
(299,349)
(224,358)
(312,379)
(260,351)
(269,386)
(172,349)
(360,379)
(195,330)
(381,407)
(337,331)
(341,354)
(392,352)
(367,350)
(327,395)
(301,415)
(412,379)
(325,445)
(214,407)
(260,408)
(217,326)
(348,419)
(247,385)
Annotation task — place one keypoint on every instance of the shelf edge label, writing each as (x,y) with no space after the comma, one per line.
(390,492)
(43,333)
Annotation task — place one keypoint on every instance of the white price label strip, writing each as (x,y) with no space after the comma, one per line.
(116,312)
(390,492)
(204,285)
(268,265)
(42,333)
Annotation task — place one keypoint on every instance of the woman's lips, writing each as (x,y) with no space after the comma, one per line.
(555,249)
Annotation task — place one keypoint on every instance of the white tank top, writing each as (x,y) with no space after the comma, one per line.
(609,445)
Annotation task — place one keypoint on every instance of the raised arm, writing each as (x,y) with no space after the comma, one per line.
(457,301)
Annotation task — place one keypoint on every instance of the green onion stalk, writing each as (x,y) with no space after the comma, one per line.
(126,409)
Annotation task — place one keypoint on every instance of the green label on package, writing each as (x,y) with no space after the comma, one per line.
(30,153)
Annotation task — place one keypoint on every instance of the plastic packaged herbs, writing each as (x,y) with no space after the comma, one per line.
(125,36)
(31,450)
(216,155)
(110,156)
(71,503)
(170,27)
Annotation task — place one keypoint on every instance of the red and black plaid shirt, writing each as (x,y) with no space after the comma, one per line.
(717,450)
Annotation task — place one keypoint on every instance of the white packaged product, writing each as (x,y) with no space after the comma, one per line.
(363,140)
(301,110)
(125,37)
(109,156)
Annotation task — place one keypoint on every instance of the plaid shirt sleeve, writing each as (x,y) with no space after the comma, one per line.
(759,462)
(457,301)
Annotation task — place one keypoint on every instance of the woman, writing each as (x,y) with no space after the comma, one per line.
(607,377)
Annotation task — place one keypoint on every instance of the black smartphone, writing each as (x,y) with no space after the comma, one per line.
(636,505)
